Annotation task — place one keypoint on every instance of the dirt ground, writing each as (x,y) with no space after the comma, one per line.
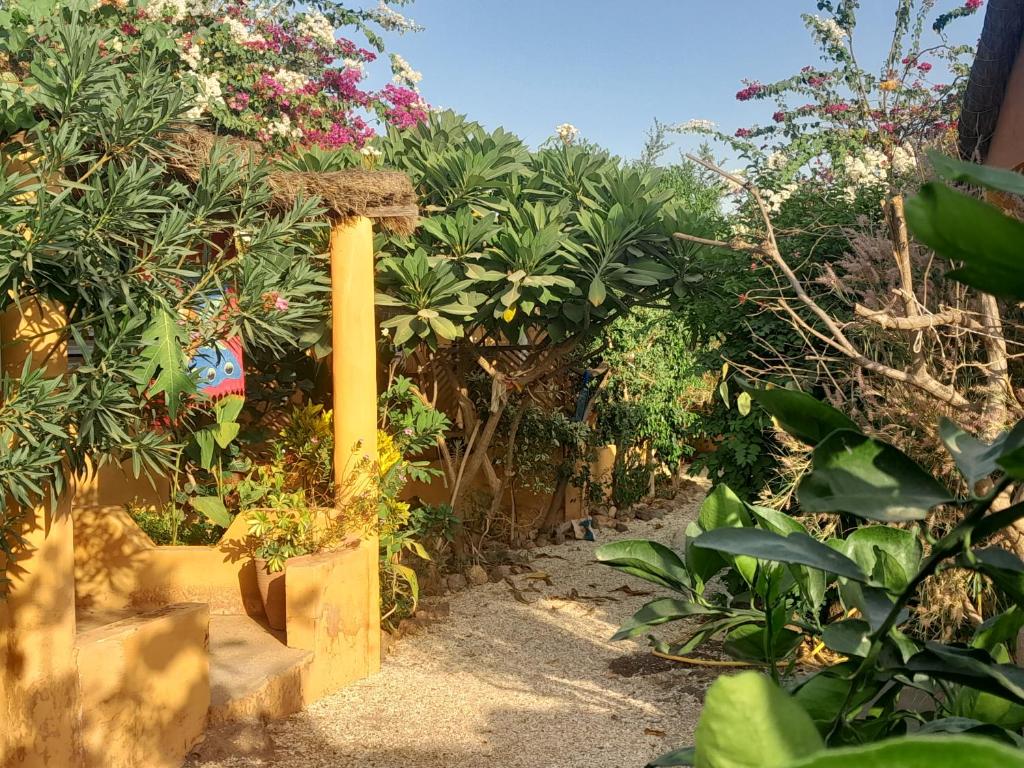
(508,683)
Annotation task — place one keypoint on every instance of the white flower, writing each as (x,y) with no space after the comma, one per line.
(318,27)
(392,20)
(567,132)
(239,32)
(283,127)
(192,56)
(353,64)
(174,10)
(777,160)
(871,168)
(404,74)
(369,151)
(827,30)
(696,125)
(774,200)
(208,92)
(290,80)
(116,45)
(904,160)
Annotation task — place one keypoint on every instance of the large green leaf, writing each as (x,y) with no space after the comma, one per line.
(795,549)
(861,476)
(812,582)
(964,229)
(748,641)
(684,756)
(849,637)
(804,417)
(647,560)
(213,508)
(977,460)
(971,667)
(749,722)
(163,360)
(721,509)
(658,612)
(918,752)
(870,544)
(1002,566)
(1000,179)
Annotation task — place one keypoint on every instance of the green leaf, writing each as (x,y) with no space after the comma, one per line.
(797,548)
(849,637)
(1004,568)
(743,403)
(721,509)
(213,508)
(659,612)
(684,756)
(971,667)
(866,477)
(804,417)
(163,345)
(987,176)
(747,642)
(977,460)
(749,722)
(918,752)
(597,292)
(1001,628)
(865,545)
(964,229)
(647,560)
(225,433)
(229,407)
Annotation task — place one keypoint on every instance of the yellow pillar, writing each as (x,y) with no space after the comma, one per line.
(354,373)
(38,676)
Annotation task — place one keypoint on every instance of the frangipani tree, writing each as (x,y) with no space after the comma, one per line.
(523,259)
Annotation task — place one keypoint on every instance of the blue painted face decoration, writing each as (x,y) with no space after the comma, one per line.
(220,369)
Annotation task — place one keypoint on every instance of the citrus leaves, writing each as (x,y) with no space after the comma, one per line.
(868,478)
(964,229)
(804,417)
(796,548)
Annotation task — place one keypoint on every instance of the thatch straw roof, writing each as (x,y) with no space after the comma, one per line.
(387,197)
(997,51)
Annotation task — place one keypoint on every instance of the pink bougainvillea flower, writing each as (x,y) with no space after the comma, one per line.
(280,304)
(743,133)
(752,90)
(925,67)
(973,5)
(129,29)
(779,116)
(837,108)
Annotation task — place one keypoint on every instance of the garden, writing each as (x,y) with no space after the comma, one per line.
(710,457)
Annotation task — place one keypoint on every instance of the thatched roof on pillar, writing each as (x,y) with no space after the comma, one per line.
(387,197)
(998,47)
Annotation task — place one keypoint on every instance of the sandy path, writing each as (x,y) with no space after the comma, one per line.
(500,683)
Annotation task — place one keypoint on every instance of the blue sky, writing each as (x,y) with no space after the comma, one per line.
(611,66)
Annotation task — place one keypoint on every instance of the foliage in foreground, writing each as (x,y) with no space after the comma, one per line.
(786,574)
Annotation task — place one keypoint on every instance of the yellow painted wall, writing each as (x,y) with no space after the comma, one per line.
(145,688)
(38,681)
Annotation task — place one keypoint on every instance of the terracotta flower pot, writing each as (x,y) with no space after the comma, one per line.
(271,586)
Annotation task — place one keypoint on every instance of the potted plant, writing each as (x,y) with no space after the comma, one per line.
(280,534)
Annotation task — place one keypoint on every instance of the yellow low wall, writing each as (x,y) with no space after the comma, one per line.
(145,688)
(118,567)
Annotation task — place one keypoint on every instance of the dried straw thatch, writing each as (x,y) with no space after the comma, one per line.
(997,51)
(387,197)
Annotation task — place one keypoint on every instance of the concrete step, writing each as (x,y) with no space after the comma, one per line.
(253,674)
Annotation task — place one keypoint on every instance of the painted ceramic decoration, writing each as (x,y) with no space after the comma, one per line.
(219,368)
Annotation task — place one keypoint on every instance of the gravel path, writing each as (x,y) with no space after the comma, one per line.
(512,685)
